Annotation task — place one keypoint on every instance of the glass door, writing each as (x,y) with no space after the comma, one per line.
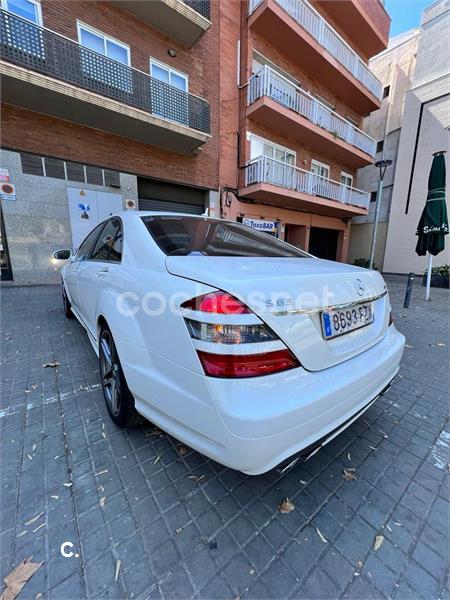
(20,35)
(169,93)
(112,73)
(320,185)
(320,169)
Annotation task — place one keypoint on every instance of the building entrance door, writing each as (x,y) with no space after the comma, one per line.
(5,262)
(323,243)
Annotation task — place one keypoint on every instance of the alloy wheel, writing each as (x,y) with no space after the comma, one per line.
(110,373)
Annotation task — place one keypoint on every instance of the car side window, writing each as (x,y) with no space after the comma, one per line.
(85,248)
(109,244)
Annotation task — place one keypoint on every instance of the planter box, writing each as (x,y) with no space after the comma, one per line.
(439,281)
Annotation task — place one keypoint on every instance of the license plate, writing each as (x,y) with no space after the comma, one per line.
(340,321)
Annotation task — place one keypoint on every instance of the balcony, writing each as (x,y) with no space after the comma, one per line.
(299,31)
(366,22)
(184,21)
(277,103)
(48,73)
(271,181)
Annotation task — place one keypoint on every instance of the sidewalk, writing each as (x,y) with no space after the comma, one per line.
(183,526)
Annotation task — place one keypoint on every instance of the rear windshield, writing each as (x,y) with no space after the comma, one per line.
(190,236)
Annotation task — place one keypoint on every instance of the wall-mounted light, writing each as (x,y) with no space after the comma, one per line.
(172,52)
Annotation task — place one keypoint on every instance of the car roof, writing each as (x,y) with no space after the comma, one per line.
(148,213)
(134,214)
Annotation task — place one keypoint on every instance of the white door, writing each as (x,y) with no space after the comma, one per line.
(108,204)
(87,208)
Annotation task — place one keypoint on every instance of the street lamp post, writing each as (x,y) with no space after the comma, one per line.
(382,165)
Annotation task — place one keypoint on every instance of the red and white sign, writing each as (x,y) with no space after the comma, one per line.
(7,191)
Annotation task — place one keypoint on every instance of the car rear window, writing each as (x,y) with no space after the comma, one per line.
(190,236)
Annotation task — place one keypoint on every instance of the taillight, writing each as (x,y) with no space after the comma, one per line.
(232,331)
(229,334)
(247,365)
(220,303)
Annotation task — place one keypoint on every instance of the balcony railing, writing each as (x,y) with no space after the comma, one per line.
(201,6)
(268,82)
(268,170)
(308,18)
(27,45)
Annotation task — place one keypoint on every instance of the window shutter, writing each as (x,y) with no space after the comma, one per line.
(75,172)
(54,167)
(32,164)
(112,178)
(94,175)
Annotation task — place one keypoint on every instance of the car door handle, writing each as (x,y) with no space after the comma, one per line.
(102,272)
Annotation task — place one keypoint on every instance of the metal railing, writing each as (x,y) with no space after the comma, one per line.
(268,170)
(268,82)
(38,49)
(306,16)
(201,6)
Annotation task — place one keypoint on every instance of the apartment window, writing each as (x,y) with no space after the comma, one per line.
(113,75)
(373,196)
(262,147)
(380,146)
(346,179)
(320,169)
(279,164)
(27,39)
(103,44)
(27,9)
(386,91)
(168,103)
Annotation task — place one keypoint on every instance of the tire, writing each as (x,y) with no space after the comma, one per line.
(118,398)
(66,304)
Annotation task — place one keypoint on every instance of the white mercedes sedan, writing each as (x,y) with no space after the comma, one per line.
(234,342)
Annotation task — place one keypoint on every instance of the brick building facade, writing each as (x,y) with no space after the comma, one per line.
(186,106)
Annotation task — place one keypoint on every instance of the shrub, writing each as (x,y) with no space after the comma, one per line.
(363,262)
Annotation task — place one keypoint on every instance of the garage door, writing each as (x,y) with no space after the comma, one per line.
(161,196)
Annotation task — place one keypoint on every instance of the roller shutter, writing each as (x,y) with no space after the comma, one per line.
(162,196)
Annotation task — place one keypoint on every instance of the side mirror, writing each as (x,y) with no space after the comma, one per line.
(62,254)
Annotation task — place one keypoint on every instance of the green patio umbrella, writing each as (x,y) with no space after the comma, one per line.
(433,224)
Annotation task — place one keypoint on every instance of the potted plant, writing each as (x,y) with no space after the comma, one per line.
(363,262)
(439,277)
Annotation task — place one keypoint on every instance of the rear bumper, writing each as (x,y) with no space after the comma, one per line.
(273,418)
(255,424)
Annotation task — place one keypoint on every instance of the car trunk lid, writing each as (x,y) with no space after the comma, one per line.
(289,294)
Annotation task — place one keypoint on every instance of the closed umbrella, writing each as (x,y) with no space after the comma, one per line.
(433,224)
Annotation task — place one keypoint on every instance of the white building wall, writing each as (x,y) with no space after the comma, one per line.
(37,222)
(416,66)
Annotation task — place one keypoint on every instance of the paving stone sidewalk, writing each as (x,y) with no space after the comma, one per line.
(183,526)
